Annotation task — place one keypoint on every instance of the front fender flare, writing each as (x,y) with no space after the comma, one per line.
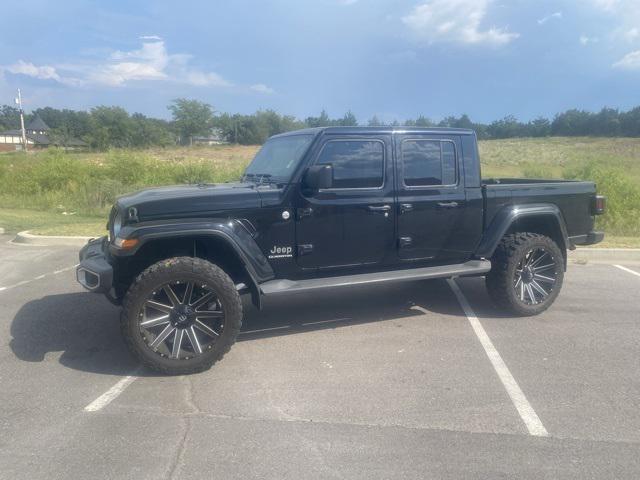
(510,215)
(232,231)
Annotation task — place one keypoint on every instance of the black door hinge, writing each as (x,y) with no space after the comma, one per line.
(404,242)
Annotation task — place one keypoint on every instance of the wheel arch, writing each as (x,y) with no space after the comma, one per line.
(227,243)
(544,219)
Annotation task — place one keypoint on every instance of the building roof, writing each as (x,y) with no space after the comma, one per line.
(37,124)
(43,139)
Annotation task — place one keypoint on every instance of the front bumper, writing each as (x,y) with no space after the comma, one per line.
(590,238)
(94,272)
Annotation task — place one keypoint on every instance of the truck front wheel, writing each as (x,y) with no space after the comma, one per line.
(526,274)
(181,315)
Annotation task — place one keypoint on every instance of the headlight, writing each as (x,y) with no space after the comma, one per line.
(117,224)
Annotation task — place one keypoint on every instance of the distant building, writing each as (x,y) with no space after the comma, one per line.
(38,136)
(215,137)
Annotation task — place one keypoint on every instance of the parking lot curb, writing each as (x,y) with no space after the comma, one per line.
(26,238)
(609,255)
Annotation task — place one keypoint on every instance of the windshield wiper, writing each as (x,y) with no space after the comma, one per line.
(261,177)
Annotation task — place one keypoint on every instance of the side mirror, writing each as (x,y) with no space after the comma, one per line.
(318,177)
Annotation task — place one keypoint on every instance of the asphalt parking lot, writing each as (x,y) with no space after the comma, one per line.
(416,380)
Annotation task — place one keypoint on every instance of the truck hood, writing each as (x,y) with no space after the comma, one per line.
(191,200)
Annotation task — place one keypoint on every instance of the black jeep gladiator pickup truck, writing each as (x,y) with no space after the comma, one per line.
(329,207)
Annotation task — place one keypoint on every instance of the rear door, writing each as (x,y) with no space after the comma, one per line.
(431,198)
(352,223)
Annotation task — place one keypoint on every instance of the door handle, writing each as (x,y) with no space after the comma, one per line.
(380,209)
(406,207)
(448,204)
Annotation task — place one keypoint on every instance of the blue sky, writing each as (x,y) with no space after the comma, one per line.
(395,59)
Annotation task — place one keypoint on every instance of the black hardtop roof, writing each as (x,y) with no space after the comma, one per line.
(384,130)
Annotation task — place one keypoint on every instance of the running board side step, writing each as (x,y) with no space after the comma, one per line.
(472,267)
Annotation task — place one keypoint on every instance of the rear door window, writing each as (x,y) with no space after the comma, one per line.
(428,162)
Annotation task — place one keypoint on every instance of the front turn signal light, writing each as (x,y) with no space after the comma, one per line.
(126,243)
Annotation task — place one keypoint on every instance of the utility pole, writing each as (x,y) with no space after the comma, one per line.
(24,135)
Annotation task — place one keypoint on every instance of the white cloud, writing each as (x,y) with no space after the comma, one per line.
(584,40)
(42,72)
(608,5)
(556,15)
(632,34)
(631,61)
(262,88)
(455,21)
(149,37)
(147,63)
(151,62)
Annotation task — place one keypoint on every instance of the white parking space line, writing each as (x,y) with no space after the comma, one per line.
(526,411)
(39,277)
(319,322)
(627,270)
(107,397)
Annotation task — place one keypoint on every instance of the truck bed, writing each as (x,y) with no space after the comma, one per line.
(573,198)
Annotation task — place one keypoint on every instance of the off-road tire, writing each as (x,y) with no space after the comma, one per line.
(160,273)
(509,253)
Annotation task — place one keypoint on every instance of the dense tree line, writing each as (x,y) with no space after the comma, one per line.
(106,127)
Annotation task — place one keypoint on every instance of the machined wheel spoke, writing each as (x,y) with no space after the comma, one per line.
(518,281)
(158,306)
(162,336)
(202,300)
(544,278)
(206,329)
(529,259)
(537,287)
(153,322)
(187,294)
(532,295)
(191,333)
(538,260)
(177,343)
(544,267)
(171,294)
(522,291)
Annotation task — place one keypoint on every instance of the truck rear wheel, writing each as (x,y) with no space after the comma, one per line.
(181,315)
(527,273)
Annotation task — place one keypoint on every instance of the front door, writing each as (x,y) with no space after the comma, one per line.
(352,223)
(431,198)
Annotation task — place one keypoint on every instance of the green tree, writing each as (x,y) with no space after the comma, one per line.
(9,117)
(348,120)
(148,132)
(110,127)
(322,121)
(375,122)
(191,117)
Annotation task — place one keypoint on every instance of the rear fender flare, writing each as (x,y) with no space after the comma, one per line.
(511,215)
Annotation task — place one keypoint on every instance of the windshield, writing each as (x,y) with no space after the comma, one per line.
(278,158)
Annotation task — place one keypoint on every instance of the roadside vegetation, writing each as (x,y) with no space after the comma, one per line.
(54,191)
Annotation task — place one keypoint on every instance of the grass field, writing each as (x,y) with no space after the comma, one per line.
(55,192)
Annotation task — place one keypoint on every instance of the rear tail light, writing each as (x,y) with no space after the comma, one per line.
(599,204)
